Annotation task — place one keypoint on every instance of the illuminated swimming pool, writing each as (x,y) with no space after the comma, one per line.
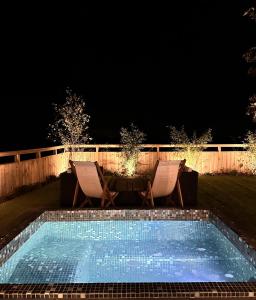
(127,251)
(122,248)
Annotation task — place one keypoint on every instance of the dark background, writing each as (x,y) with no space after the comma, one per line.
(155,65)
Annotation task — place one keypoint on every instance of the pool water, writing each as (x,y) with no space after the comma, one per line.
(127,251)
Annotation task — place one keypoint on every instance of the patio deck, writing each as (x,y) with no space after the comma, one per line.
(231,197)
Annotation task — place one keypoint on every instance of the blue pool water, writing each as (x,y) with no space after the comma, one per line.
(126,251)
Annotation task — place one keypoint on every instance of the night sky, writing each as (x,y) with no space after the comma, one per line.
(152,64)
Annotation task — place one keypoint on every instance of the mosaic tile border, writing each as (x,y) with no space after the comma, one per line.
(199,290)
(129,290)
(14,244)
(125,214)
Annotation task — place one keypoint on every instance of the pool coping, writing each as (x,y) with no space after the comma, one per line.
(200,290)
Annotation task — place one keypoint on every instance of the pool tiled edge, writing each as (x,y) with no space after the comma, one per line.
(12,243)
(125,214)
(240,244)
(127,290)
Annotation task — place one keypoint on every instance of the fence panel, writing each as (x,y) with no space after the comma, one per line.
(29,172)
(32,171)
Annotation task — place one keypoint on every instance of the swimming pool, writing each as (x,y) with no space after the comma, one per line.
(127,248)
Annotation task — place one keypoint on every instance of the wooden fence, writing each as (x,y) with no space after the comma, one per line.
(28,167)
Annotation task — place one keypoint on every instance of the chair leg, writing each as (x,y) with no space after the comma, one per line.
(87,200)
(169,201)
(102,202)
(110,202)
(107,204)
(76,194)
(152,202)
(180,194)
(112,199)
(148,202)
(143,203)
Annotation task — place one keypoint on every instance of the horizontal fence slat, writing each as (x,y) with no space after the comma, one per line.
(29,151)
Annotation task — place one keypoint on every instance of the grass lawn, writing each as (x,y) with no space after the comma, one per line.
(232,197)
(26,207)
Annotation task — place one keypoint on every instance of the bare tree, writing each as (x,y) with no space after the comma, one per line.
(70,125)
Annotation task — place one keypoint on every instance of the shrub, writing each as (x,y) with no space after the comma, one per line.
(191,146)
(250,161)
(131,140)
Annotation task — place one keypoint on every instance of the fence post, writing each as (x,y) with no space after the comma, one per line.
(157,150)
(38,154)
(17,158)
(97,153)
